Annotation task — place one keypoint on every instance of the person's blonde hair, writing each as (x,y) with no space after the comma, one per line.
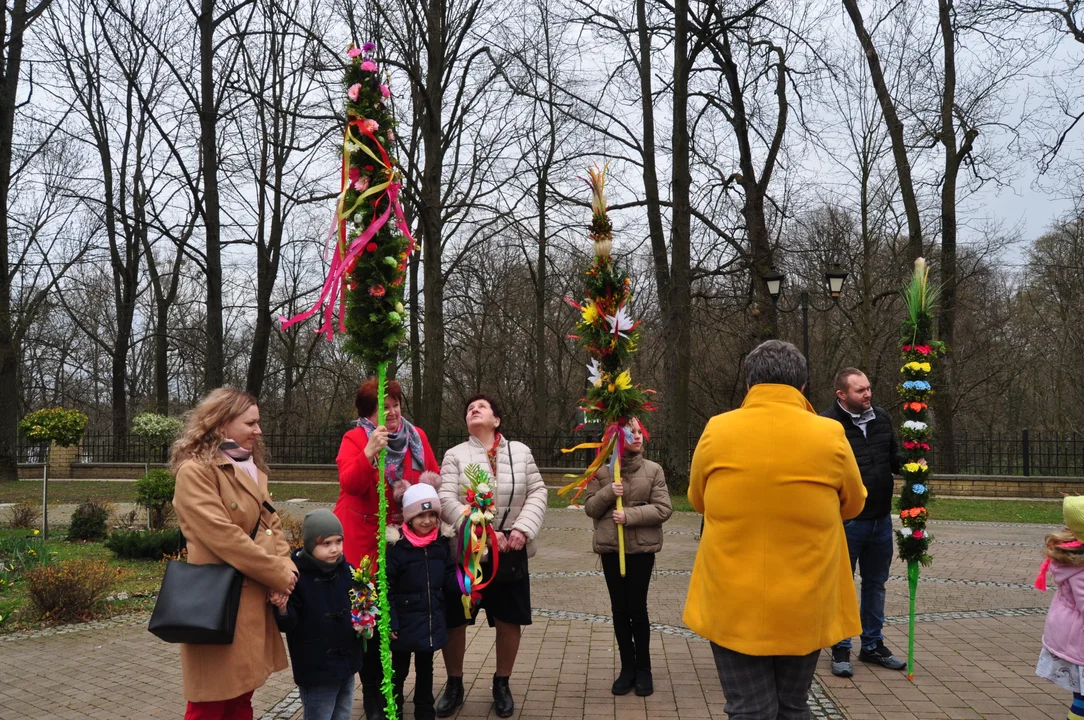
(1057,552)
(202,434)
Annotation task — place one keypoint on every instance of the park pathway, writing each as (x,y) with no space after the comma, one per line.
(977,642)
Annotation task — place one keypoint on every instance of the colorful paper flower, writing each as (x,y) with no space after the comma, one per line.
(918,489)
(377,291)
(368,66)
(354,91)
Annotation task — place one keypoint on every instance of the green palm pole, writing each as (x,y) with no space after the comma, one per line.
(919,350)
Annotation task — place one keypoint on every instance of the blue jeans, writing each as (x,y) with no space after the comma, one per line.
(871,544)
(328,702)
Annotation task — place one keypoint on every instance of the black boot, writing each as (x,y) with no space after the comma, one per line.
(451,698)
(624,682)
(644,684)
(502,697)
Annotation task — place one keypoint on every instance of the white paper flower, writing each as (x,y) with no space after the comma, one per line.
(915,425)
(483,488)
(906,532)
(489,515)
(476,517)
(620,322)
(594,372)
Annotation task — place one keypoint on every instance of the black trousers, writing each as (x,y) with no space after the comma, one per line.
(628,603)
(371,676)
(423,682)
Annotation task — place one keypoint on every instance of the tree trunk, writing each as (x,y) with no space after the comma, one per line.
(678,305)
(161,357)
(945,399)
(541,394)
(415,338)
(214,370)
(9,335)
(895,130)
(651,182)
(430,211)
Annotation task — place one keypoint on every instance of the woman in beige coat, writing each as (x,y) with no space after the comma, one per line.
(521,501)
(645,507)
(221,495)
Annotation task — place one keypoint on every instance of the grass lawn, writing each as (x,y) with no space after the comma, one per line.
(1019,511)
(140,579)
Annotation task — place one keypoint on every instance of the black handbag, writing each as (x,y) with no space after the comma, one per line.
(511,564)
(198,603)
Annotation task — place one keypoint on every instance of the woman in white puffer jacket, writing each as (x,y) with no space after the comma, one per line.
(521,501)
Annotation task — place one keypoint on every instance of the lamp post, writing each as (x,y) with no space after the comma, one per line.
(834,278)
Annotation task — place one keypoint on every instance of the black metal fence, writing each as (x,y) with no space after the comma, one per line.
(1005,453)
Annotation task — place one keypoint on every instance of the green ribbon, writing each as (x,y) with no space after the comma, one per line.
(387,685)
(912,586)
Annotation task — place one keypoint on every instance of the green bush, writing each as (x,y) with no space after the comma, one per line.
(161,429)
(154,491)
(69,590)
(60,425)
(149,545)
(89,521)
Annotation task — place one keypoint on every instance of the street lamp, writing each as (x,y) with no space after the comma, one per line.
(833,284)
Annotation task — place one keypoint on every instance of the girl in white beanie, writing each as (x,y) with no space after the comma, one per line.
(421,579)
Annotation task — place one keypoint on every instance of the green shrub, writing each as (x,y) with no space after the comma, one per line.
(69,590)
(161,429)
(60,425)
(154,491)
(89,521)
(18,553)
(25,515)
(149,545)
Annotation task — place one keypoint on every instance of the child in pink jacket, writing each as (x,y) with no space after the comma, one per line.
(1062,658)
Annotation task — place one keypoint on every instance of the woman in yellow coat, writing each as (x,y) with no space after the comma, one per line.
(772,582)
(221,495)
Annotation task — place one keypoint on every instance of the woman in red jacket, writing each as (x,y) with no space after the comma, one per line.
(409,454)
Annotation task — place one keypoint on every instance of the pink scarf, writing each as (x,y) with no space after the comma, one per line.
(1040,580)
(419,540)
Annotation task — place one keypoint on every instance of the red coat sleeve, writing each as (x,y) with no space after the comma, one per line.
(357,476)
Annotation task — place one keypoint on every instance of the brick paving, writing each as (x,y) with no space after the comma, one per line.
(977,640)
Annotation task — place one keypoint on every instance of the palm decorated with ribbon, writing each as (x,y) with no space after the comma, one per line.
(369,247)
(475,530)
(608,332)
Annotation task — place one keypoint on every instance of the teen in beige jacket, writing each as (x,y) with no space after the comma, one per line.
(645,507)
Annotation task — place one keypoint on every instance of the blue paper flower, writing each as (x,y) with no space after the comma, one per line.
(909,385)
(921,385)
(918,489)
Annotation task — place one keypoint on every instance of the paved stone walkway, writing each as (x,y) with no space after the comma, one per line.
(977,640)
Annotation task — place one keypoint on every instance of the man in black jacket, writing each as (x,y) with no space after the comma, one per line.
(870,539)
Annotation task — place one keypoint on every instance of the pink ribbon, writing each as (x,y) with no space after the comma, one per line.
(335,284)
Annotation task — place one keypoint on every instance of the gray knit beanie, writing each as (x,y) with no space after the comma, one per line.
(318,526)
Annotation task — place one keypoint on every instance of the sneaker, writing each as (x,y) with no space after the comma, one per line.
(841,662)
(880,655)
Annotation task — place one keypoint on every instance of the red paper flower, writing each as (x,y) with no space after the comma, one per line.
(906,348)
(922,349)
(377,291)
(371,247)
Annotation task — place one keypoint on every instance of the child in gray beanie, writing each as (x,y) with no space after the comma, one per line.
(325,652)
